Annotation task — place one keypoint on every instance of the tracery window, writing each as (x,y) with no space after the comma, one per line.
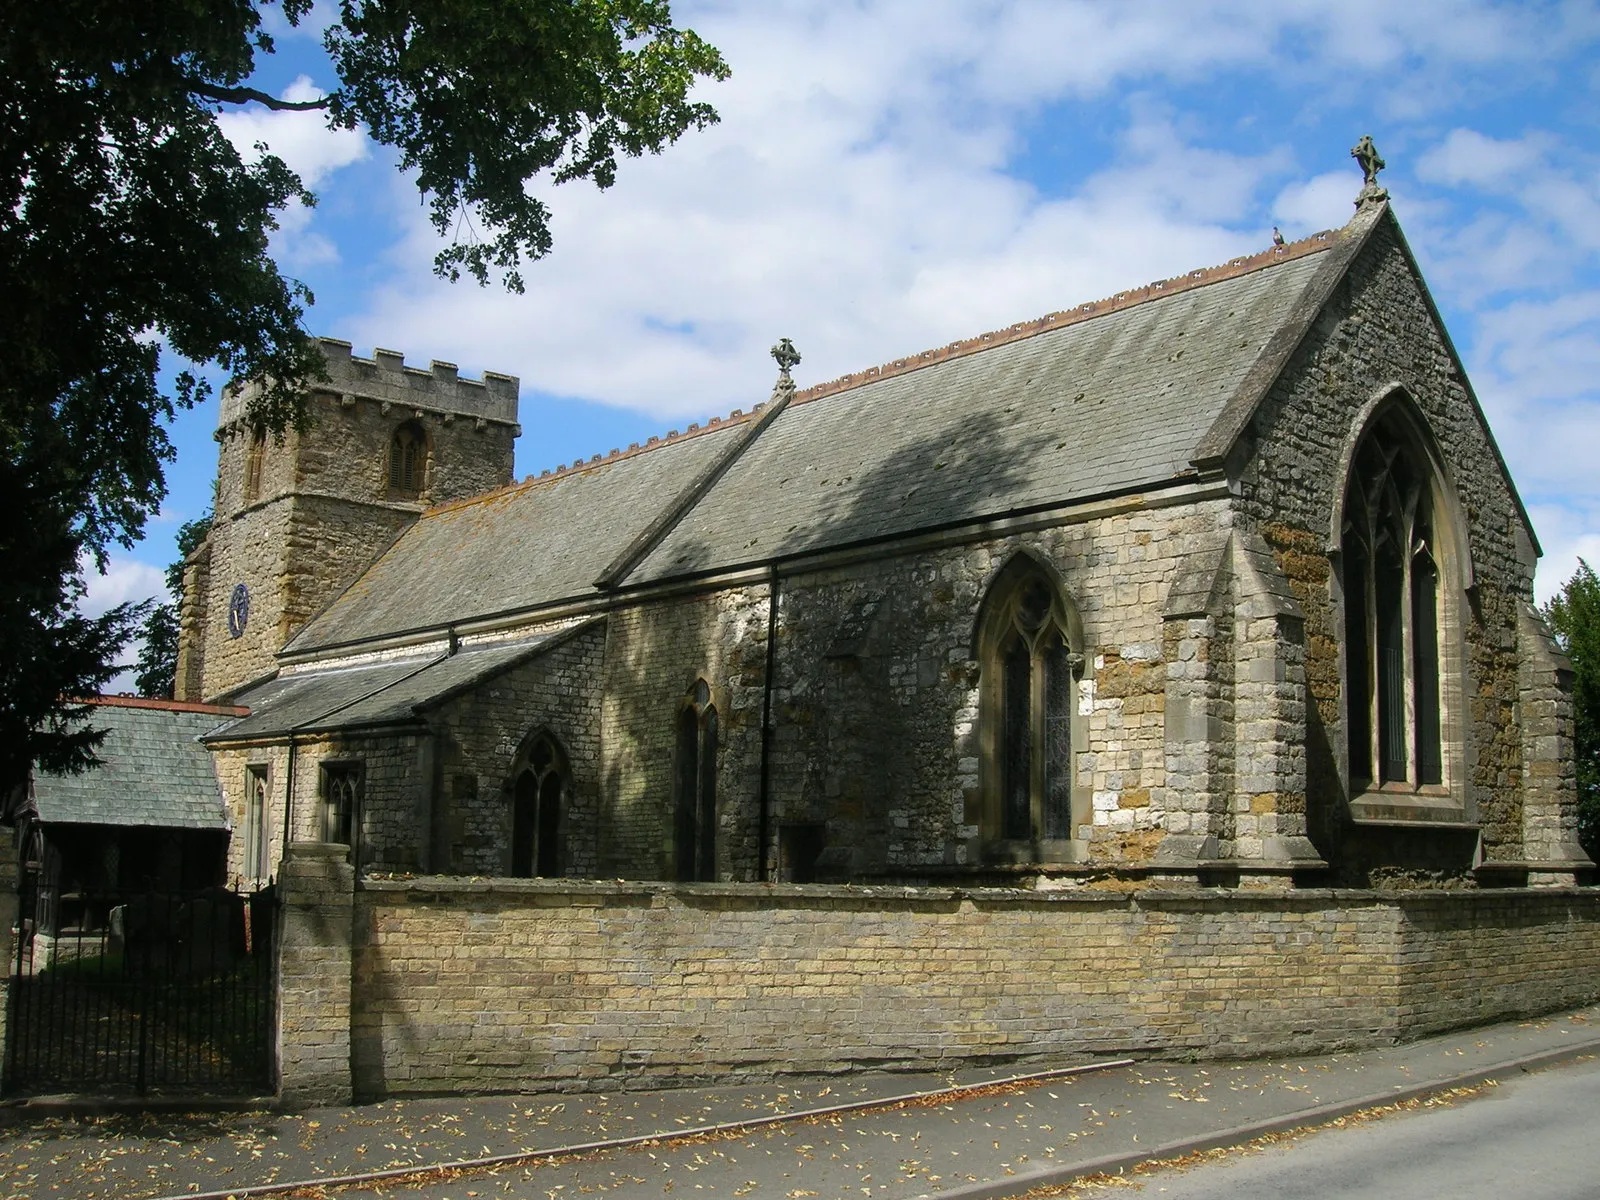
(408,461)
(341,802)
(538,797)
(1391,570)
(695,786)
(1030,671)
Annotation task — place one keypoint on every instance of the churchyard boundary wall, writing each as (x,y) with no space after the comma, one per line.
(462,985)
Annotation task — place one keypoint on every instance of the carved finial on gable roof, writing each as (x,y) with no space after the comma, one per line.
(787,357)
(1365,153)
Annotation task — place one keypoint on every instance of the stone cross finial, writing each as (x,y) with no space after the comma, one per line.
(787,357)
(1365,153)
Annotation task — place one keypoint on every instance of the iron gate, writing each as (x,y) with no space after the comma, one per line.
(139,992)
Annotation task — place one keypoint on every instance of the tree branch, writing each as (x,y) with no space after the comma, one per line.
(247,95)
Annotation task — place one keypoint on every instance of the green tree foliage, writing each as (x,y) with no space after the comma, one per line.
(129,223)
(1574,616)
(156,670)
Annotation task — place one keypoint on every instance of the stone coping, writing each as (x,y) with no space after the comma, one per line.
(587,892)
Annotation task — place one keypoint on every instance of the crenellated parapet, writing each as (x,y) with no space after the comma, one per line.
(385,381)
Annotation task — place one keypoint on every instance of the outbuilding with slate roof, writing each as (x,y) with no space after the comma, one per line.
(150,815)
(1222,580)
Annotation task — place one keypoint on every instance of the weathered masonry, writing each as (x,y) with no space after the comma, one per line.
(1220,582)
(442,984)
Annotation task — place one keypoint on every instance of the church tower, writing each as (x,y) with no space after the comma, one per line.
(298,519)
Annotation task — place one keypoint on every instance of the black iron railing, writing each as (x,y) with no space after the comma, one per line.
(141,992)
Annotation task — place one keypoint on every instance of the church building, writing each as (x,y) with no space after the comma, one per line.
(1220,581)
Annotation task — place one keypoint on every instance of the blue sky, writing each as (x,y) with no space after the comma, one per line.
(890,175)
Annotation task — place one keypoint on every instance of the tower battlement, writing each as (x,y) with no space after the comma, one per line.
(385,379)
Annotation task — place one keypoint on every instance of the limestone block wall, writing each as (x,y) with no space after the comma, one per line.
(481,736)
(314,978)
(1376,331)
(232,767)
(653,656)
(247,550)
(877,691)
(396,774)
(505,985)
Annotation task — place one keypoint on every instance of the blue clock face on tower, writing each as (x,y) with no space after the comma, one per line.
(238,610)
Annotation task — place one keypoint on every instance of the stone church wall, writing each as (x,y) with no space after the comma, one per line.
(517,985)
(481,736)
(1378,330)
(876,716)
(654,654)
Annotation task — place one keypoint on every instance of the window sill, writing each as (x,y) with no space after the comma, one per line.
(1433,806)
(1030,853)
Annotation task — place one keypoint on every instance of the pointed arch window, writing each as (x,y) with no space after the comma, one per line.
(695,786)
(1031,665)
(254,455)
(408,461)
(538,801)
(1389,552)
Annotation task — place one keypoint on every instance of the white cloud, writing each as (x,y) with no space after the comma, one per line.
(302,139)
(124,579)
(1323,202)
(1566,534)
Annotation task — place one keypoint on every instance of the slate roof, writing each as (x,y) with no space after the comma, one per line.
(153,770)
(1112,397)
(383,693)
(523,546)
(1109,404)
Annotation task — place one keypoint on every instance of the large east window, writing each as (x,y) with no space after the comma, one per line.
(1390,558)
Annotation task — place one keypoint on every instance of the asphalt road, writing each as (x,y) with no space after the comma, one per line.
(1533,1138)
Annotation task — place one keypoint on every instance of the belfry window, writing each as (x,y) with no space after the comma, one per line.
(695,786)
(254,453)
(1030,671)
(538,797)
(1390,559)
(408,461)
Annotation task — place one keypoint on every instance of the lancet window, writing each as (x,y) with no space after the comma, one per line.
(408,461)
(255,453)
(341,802)
(1030,671)
(695,786)
(538,800)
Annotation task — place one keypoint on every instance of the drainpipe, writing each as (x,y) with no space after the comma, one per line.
(764,809)
(288,803)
